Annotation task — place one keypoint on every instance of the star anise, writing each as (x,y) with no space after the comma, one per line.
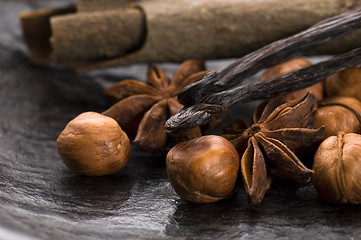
(143,108)
(270,145)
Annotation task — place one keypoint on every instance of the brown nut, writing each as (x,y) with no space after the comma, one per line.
(338,114)
(337,169)
(204,169)
(93,144)
(344,83)
(291,66)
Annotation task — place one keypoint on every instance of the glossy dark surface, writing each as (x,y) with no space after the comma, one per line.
(41,199)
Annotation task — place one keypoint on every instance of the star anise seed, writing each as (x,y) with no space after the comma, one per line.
(270,145)
(143,108)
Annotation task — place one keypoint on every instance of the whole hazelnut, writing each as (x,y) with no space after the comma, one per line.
(291,66)
(344,83)
(203,169)
(338,114)
(93,144)
(337,169)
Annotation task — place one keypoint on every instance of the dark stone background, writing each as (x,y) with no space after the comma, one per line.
(41,199)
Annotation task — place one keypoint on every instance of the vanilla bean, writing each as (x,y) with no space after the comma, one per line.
(219,90)
(271,55)
(190,117)
(201,113)
(293,81)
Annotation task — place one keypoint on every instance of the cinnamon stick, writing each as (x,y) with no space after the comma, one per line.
(97,35)
(174,31)
(101,5)
(220,90)
(37,31)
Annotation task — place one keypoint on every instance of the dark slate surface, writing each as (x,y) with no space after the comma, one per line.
(41,199)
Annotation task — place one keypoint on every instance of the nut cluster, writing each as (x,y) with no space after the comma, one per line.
(336,163)
(205,169)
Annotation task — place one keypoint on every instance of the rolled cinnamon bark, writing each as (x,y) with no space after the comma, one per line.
(97,35)
(172,31)
(37,31)
(101,5)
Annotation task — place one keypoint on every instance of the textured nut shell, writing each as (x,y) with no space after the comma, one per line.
(316,89)
(204,169)
(336,118)
(344,83)
(339,114)
(291,66)
(352,167)
(337,169)
(93,144)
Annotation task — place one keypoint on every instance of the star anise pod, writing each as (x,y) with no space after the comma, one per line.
(143,108)
(270,145)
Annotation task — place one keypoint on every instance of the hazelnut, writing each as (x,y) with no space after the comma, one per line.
(291,66)
(93,144)
(344,83)
(203,169)
(337,169)
(338,114)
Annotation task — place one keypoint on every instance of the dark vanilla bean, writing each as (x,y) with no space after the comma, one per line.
(290,82)
(220,90)
(272,54)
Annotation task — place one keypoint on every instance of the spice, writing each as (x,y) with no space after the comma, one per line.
(143,108)
(219,90)
(268,147)
(204,169)
(337,169)
(163,30)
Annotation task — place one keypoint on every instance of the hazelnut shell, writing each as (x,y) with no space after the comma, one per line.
(344,83)
(291,66)
(204,169)
(337,169)
(93,144)
(339,114)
